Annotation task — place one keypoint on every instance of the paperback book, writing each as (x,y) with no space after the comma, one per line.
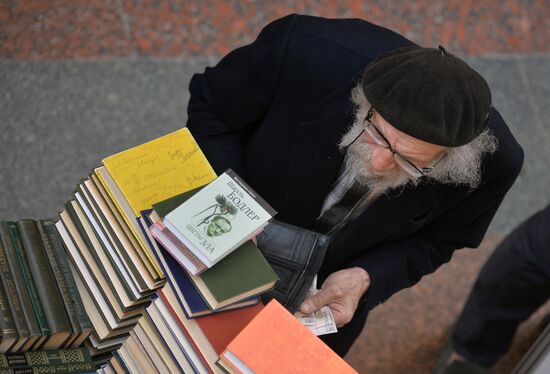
(219,218)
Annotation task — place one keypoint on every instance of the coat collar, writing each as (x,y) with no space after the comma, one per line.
(317,160)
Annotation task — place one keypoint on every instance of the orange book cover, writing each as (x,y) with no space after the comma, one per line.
(221,328)
(276,342)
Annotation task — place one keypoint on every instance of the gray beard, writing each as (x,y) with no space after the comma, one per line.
(358,162)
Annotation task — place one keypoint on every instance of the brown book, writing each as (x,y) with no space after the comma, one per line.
(52,302)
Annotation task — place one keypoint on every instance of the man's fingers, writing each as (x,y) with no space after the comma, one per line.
(316,302)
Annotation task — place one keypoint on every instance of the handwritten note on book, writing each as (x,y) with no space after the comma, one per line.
(159,169)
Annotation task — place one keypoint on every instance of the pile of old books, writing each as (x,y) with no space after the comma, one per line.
(154,266)
(40,306)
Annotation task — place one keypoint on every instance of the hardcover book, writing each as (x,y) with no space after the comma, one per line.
(52,302)
(242,274)
(219,218)
(30,281)
(220,329)
(23,342)
(276,342)
(7,325)
(67,285)
(125,211)
(38,329)
(45,358)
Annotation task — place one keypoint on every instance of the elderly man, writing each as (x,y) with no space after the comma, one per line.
(349,129)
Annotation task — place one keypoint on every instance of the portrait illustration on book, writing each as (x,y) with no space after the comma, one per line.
(216,219)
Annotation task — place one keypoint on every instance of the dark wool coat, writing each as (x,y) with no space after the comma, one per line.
(274,112)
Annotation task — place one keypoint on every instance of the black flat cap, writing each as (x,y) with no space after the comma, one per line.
(429,94)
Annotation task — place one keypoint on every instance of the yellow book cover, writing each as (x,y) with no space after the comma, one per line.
(159,169)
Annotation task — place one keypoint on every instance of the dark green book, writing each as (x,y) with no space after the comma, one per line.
(45,358)
(86,327)
(20,282)
(164,207)
(243,273)
(60,284)
(8,333)
(31,286)
(73,303)
(23,342)
(87,367)
(46,284)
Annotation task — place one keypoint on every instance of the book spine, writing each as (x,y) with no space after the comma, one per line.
(61,283)
(46,358)
(8,333)
(11,294)
(45,280)
(63,262)
(33,292)
(19,279)
(85,367)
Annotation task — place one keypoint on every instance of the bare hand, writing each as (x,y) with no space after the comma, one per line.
(341,291)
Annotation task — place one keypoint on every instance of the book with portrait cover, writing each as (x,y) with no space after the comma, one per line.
(219,218)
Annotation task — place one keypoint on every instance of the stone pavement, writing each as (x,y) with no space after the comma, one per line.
(81,80)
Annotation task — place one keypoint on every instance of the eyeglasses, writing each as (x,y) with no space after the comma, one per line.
(407,165)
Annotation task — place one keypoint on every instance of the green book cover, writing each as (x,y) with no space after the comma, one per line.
(29,279)
(219,218)
(242,274)
(46,284)
(164,207)
(13,300)
(63,263)
(45,358)
(48,246)
(7,325)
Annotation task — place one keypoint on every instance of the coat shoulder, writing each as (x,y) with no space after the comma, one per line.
(508,159)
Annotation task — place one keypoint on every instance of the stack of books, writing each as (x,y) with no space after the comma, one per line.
(111,257)
(40,307)
(150,267)
(172,337)
(213,223)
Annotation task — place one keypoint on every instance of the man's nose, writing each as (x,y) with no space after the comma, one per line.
(382,158)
